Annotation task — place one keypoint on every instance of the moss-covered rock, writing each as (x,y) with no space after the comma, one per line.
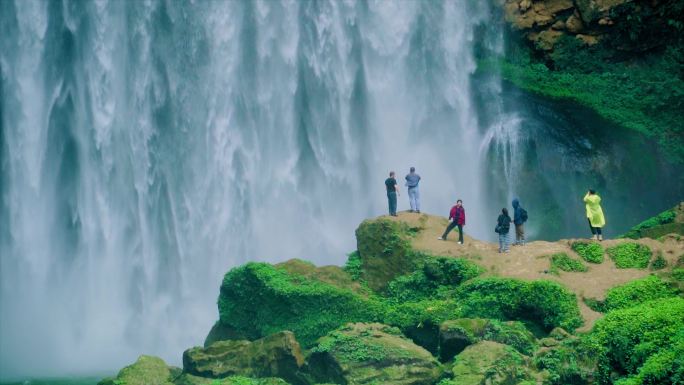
(372,354)
(545,303)
(188,379)
(433,278)
(637,292)
(569,361)
(147,370)
(258,299)
(277,355)
(221,332)
(668,222)
(456,335)
(491,363)
(385,251)
(645,336)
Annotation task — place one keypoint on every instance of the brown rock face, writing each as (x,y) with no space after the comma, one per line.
(278,355)
(574,24)
(593,10)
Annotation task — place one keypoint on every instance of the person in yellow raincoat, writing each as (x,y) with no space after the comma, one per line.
(594,214)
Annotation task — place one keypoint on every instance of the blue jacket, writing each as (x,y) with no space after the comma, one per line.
(517,212)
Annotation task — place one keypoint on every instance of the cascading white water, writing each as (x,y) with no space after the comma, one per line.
(149,146)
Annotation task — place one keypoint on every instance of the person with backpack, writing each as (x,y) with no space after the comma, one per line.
(592,202)
(392,192)
(412,180)
(519,219)
(457,216)
(503,226)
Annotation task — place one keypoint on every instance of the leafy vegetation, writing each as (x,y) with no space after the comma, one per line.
(637,292)
(642,344)
(644,95)
(589,251)
(544,303)
(433,278)
(572,362)
(354,265)
(630,255)
(663,218)
(659,262)
(678,274)
(562,261)
(258,299)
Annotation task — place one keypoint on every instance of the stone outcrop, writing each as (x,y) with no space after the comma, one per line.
(545,22)
(372,354)
(278,355)
(147,370)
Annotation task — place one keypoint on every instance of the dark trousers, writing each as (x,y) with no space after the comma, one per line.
(392,200)
(594,230)
(451,227)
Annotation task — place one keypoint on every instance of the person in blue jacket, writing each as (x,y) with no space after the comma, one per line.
(519,219)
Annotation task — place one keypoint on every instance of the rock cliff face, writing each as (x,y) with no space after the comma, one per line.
(625,23)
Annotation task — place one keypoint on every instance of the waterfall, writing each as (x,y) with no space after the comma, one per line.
(147,147)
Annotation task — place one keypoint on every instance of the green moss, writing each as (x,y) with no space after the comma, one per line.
(640,338)
(186,379)
(420,320)
(678,274)
(637,292)
(385,250)
(573,361)
(590,251)
(258,299)
(630,255)
(661,219)
(146,370)
(545,303)
(433,278)
(646,97)
(351,348)
(659,262)
(562,261)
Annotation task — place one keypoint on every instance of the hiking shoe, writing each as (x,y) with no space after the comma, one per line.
(460,243)
(441,239)
(418,211)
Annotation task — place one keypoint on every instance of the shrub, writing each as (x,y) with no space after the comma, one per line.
(563,262)
(257,299)
(420,320)
(630,255)
(659,262)
(353,265)
(545,303)
(435,276)
(589,251)
(638,342)
(637,292)
(678,274)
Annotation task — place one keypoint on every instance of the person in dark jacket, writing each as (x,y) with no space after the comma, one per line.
(519,222)
(457,217)
(503,226)
(392,192)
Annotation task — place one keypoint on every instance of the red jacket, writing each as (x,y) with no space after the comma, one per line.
(458,215)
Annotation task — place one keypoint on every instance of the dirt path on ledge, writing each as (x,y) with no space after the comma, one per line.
(532,261)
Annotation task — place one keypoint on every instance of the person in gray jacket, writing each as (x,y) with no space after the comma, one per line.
(412,180)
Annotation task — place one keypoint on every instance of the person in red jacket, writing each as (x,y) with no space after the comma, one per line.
(457,217)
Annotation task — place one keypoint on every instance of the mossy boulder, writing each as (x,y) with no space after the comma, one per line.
(668,222)
(385,250)
(570,361)
(221,332)
(491,363)
(147,370)
(643,341)
(188,379)
(278,355)
(372,354)
(544,303)
(456,335)
(258,299)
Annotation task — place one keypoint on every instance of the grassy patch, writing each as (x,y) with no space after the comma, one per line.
(589,251)
(678,274)
(630,255)
(663,218)
(562,261)
(659,262)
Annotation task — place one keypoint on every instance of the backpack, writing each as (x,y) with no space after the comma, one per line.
(523,214)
